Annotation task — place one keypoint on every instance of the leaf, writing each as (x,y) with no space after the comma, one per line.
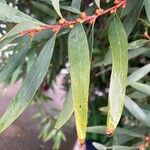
(147,8)
(120,147)
(141,87)
(131,54)
(119,46)
(71,9)
(30,85)
(79,60)
(99,146)
(6,41)
(19,28)
(138,74)
(3,1)
(97,2)
(137,44)
(76,4)
(10,14)
(56,6)
(130,5)
(132,17)
(137,112)
(119,131)
(91,39)
(16,59)
(66,112)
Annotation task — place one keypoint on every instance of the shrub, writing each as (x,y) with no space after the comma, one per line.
(107,46)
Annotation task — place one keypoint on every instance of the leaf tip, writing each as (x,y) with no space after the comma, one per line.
(81,141)
(109,131)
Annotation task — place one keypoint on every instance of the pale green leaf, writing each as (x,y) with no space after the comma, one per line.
(30,85)
(66,112)
(79,60)
(147,8)
(138,74)
(119,131)
(12,64)
(10,14)
(97,2)
(56,6)
(6,41)
(141,87)
(119,48)
(137,112)
(99,146)
(76,4)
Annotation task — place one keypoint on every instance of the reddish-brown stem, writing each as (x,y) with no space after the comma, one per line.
(83,18)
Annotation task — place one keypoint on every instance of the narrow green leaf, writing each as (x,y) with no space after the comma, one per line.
(138,74)
(76,4)
(16,59)
(130,5)
(99,146)
(71,9)
(97,2)
(79,60)
(132,17)
(3,1)
(10,14)
(120,147)
(141,87)
(56,6)
(137,112)
(6,41)
(119,131)
(147,8)
(19,28)
(30,85)
(131,54)
(137,44)
(119,46)
(66,112)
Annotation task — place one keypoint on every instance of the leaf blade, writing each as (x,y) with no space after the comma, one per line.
(80,74)
(66,112)
(30,85)
(119,46)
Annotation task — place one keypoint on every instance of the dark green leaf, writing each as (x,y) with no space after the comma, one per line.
(132,17)
(30,85)
(147,8)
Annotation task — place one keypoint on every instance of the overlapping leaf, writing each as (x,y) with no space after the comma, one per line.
(132,17)
(30,85)
(10,14)
(119,48)
(20,54)
(56,6)
(147,8)
(137,112)
(66,112)
(79,60)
